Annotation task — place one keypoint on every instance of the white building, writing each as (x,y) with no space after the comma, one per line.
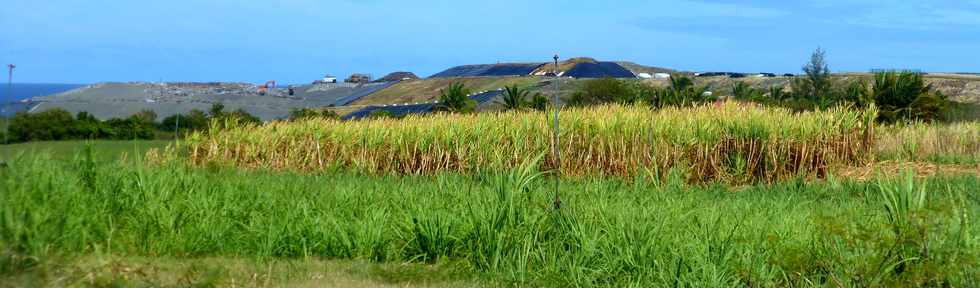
(661,76)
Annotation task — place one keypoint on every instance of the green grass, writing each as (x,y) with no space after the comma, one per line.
(65,150)
(500,227)
(99,270)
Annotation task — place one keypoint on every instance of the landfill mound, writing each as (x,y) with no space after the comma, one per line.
(585,67)
(503,69)
(119,100)
(598,70)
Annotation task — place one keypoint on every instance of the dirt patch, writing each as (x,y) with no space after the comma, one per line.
(920,169)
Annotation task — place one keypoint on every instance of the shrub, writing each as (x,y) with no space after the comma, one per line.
(602,91)
(539,102)
(217,109)
(309,113)
(54,124)
(740,90)
(129,128)
(195,120)
(778,93)
(243,117)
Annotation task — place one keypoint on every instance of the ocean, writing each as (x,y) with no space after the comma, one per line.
(23,91)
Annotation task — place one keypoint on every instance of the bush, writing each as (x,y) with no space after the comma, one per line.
(243,117)
(539,102)
(54,124)
(308,113)
(602,91)
(740,90)
(195,120)
(134,127)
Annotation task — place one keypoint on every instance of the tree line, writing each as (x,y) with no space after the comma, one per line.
(899,95)
(59,124)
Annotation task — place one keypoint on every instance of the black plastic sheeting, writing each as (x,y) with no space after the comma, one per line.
(507,69)
(360,93)
(399,111)
(599,70)
(486,96)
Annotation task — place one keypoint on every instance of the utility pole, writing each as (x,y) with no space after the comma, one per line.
(557,149)
(10,98)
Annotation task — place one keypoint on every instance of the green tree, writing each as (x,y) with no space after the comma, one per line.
(679,82)
(857,93)
(905,95)
(54,124)
(87,126)
(601,91)
(741,90)
(515,97)
(133,127)
(195,120)
(455,99)
(217,110)
(816,82)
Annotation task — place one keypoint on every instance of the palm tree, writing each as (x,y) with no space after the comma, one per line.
(455,99)
(515,97)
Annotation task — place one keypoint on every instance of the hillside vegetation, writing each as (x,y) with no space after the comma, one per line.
(428,90)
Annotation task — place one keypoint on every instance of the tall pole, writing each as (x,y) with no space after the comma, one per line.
(557,150)
(10,96)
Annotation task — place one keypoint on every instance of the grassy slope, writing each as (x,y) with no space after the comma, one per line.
(610,232)
(428,89)
(960,88)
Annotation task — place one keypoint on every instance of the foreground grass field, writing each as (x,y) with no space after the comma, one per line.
(65,150)
(707,196)
(496,228)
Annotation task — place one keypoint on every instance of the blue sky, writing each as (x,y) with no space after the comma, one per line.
(295,41)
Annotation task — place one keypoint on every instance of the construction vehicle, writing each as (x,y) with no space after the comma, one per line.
(264,88)
(358,78)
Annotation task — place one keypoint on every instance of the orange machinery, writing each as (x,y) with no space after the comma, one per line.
(264,88)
